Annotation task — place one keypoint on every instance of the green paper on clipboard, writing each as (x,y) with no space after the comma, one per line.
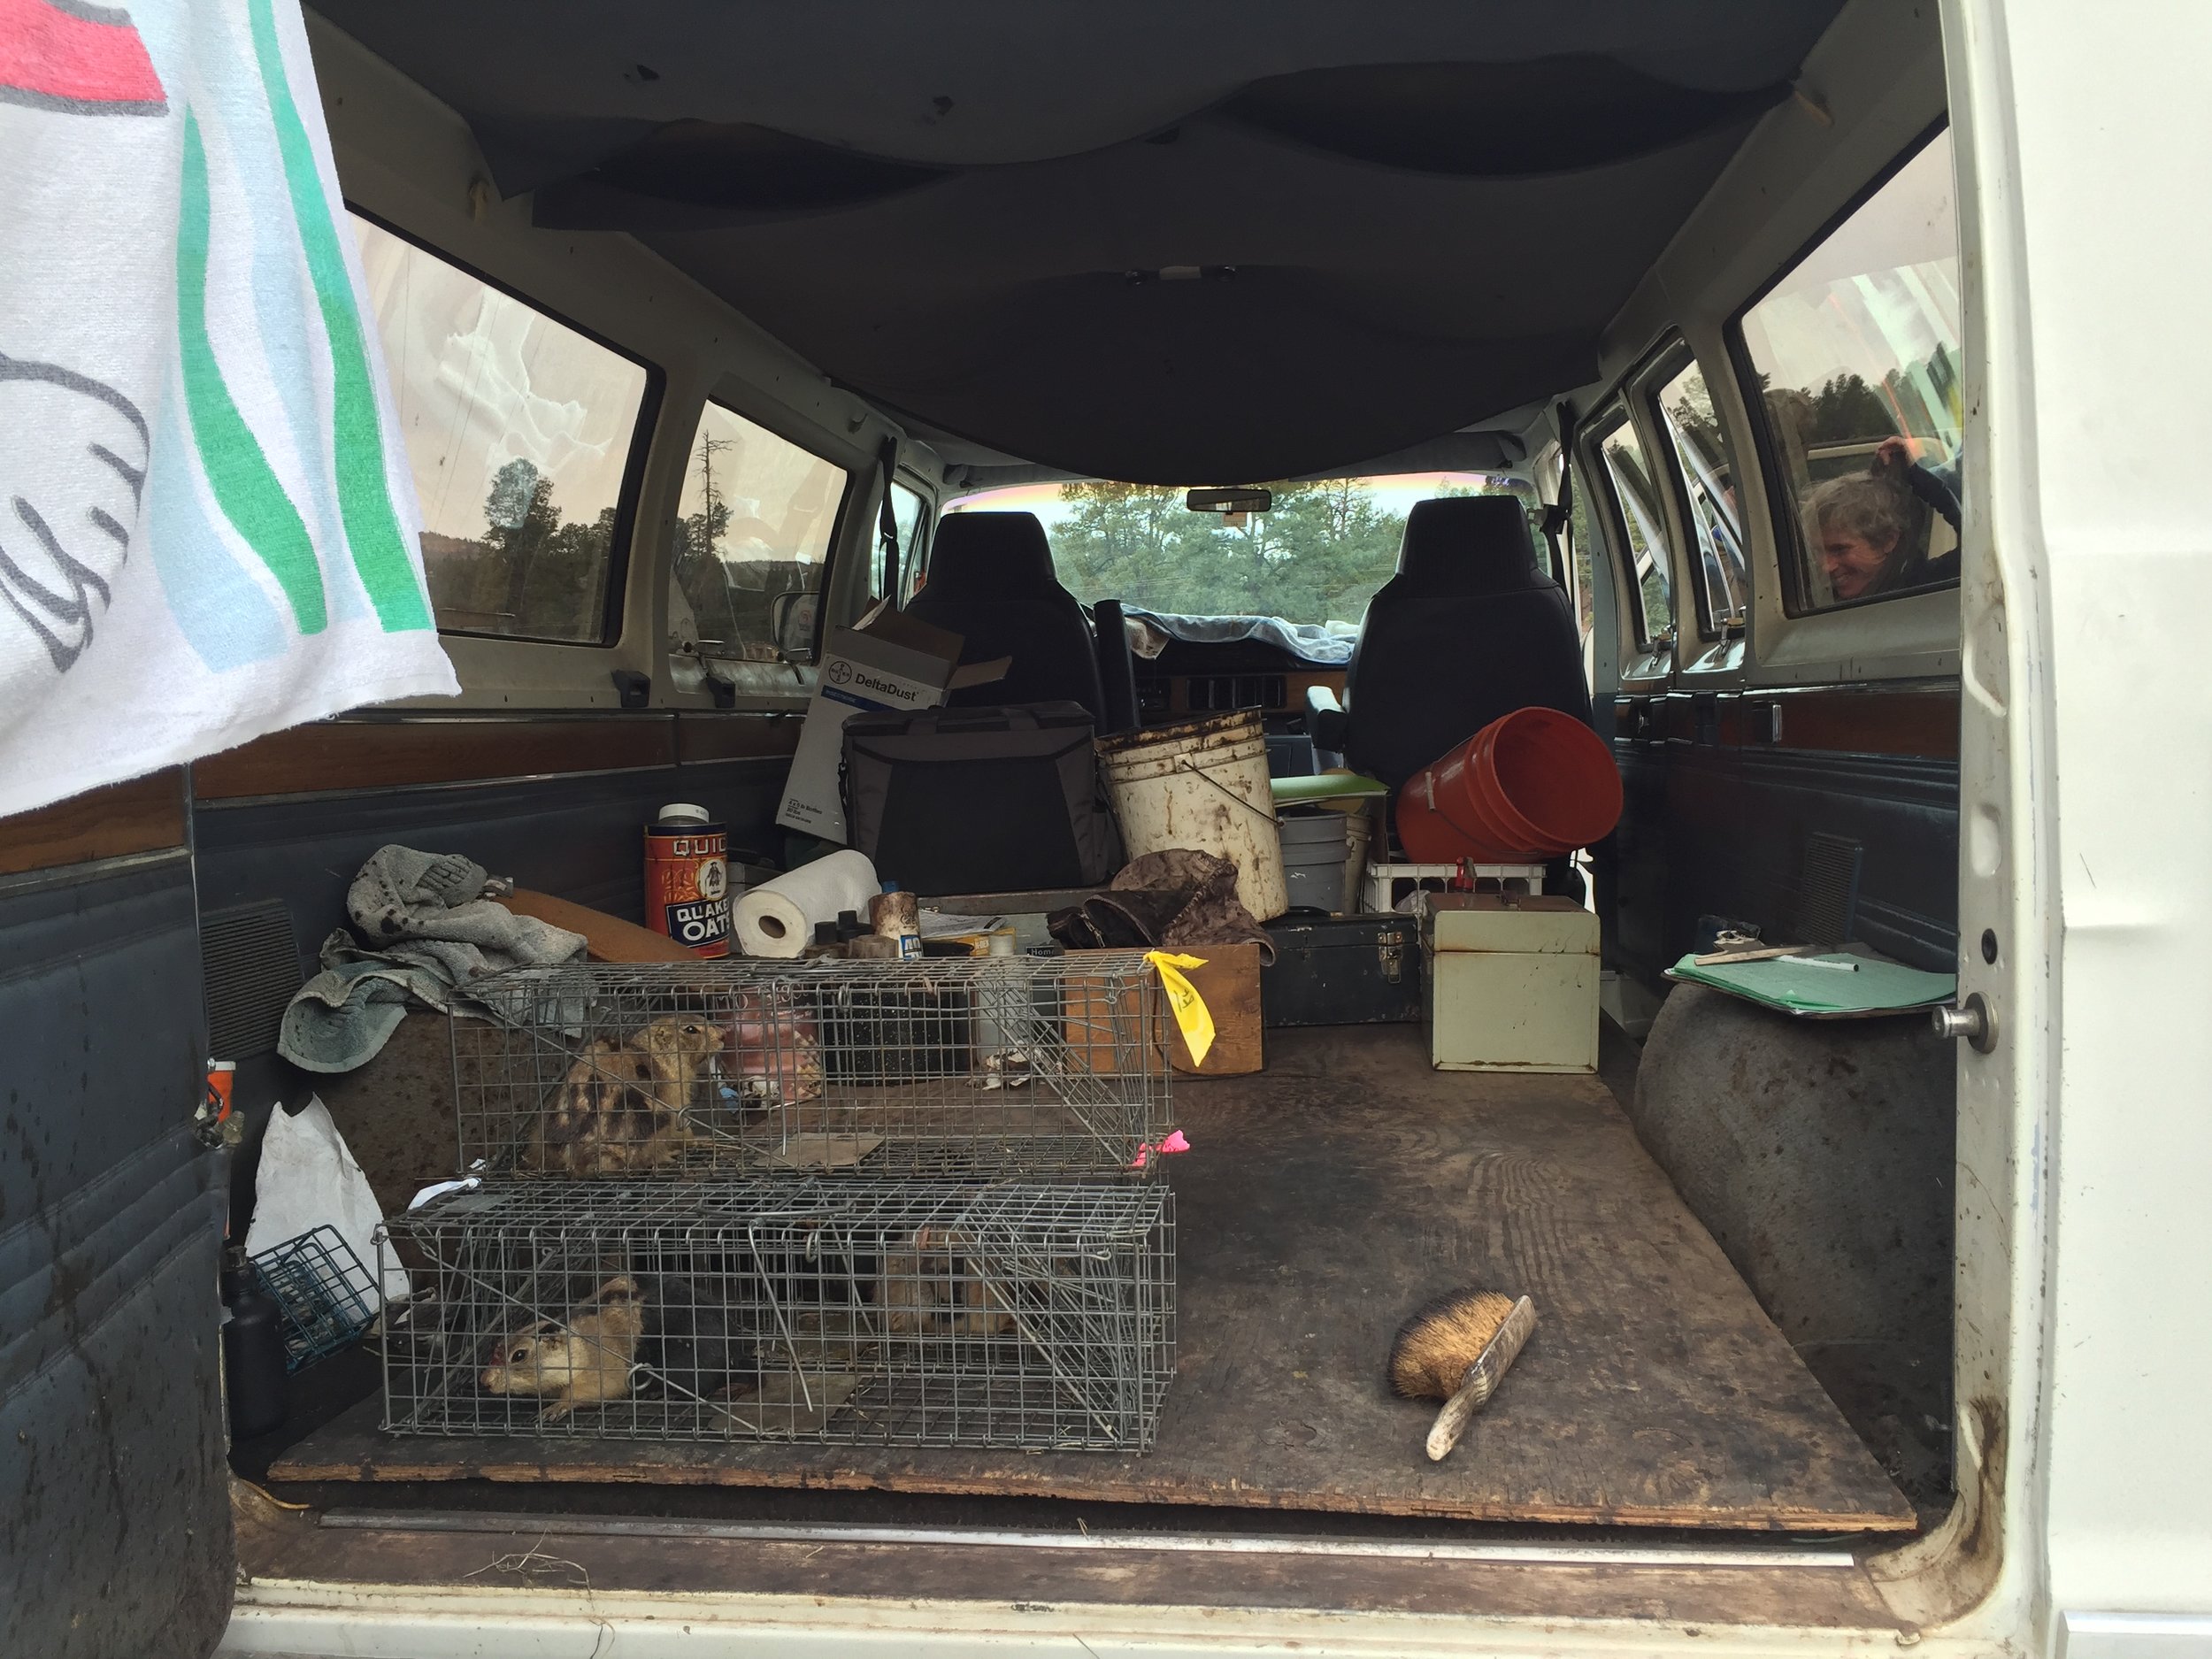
(1828,986)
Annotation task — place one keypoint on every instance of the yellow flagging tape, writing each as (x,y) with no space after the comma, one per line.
(1190,1012)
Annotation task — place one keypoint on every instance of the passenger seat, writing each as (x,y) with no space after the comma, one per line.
(991,582)
(1472,626)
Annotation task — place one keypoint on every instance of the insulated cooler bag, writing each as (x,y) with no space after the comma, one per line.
(979,800)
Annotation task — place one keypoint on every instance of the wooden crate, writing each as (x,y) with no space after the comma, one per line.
(1230,984)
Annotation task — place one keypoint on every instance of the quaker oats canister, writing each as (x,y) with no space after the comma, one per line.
(687,878)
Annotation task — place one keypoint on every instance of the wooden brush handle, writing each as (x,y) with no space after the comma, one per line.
(1482,1379)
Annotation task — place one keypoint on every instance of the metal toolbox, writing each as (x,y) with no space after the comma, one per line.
(1513,982)
(1343,970)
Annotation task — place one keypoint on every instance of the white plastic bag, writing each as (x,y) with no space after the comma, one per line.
(309,1179)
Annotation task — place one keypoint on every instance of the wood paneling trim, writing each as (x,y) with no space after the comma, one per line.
(736,737)
(1918,721)
(145,815)
(1921,723)
(342,754)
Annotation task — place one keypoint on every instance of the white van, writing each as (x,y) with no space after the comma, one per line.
(1825,347)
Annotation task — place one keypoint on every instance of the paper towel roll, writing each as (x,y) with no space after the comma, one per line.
(776,918)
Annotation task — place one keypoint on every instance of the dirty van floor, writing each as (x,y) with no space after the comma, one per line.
(1323,1201)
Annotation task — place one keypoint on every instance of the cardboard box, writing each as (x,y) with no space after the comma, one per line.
(1230,985)
(887,661)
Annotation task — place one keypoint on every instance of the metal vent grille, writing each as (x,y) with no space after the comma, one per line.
(1230,692)
(251,964)
(1828,894)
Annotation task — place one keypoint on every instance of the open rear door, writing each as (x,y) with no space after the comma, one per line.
(115,1529)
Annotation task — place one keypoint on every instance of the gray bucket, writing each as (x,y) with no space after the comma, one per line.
(1313,860)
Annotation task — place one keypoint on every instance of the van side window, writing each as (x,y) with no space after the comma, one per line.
(1706,476)
(752,541)
(519,430)
(1629,477)
(1856,356)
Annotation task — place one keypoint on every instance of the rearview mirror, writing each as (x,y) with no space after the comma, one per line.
(1229,501)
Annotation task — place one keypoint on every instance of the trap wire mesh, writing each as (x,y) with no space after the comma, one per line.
(857,1312)
(953,1067)
(325,1297)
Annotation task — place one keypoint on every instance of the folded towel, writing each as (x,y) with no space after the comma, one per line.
(432,931)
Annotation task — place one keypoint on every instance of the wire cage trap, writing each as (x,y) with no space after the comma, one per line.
(957,1067)
(854,1312)
(325,1297)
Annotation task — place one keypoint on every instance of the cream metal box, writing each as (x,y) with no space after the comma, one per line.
(1513,983)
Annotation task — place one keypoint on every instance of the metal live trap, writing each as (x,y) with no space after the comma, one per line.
(325,1297)
(958,1067)
(854,1312)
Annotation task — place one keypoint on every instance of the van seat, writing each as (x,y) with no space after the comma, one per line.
(1470,628)
(991,582)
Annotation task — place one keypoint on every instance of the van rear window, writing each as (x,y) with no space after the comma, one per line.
(1855,352)
(519,431)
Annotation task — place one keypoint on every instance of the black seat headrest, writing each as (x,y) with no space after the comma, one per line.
(991,555)
(1469,545)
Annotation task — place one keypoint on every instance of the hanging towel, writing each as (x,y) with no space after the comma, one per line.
(208,530)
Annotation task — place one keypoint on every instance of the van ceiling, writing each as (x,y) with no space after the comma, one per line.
(1159,241)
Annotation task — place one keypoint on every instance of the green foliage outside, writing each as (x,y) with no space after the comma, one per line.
(1317,557)
(529,573)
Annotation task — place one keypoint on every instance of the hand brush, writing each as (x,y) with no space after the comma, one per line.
(1456,1349)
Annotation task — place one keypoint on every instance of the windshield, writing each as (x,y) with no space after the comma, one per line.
(1317,557)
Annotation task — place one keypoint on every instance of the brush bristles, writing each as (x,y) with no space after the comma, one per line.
(1435,1347)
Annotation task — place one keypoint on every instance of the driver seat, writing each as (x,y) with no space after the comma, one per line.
(991,582)
(1473,627)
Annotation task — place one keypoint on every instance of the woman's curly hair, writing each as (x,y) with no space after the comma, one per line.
(1880,512)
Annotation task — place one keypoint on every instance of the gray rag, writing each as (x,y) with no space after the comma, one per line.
(430,930)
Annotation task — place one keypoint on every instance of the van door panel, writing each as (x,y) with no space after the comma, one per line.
(1726,792)
(113,1499)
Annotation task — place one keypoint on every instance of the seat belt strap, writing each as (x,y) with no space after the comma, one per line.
(1560,512)
(887,520)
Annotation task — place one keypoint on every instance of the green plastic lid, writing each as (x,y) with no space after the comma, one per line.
(1328,785)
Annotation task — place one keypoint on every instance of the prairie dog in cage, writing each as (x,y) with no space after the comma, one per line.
(624,1104)
(930,1287)
(580,1360)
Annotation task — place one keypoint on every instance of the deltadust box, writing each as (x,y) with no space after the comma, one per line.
(1513,982)
(888,660)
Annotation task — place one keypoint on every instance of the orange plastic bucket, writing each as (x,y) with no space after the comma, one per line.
(1529,786)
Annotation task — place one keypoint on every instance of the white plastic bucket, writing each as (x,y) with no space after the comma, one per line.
(1203,784)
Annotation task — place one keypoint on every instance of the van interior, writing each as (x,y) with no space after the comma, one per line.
(1601,359)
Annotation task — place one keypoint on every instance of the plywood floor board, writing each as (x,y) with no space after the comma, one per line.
(1324,1199)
